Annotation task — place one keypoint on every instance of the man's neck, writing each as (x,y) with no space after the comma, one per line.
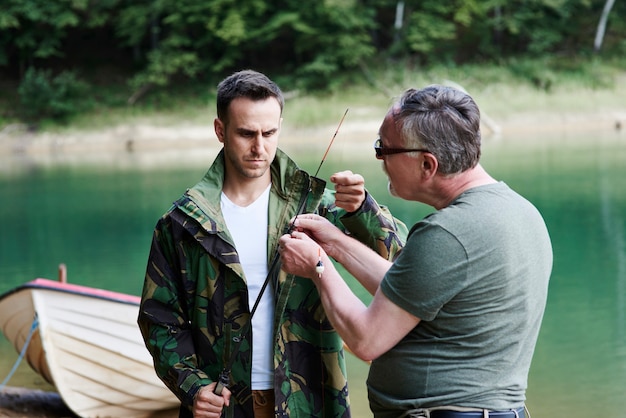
(244,193)
(454,186)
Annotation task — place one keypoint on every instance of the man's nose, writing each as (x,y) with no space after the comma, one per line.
(257,143)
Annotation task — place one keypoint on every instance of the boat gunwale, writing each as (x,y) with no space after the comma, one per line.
(47,284)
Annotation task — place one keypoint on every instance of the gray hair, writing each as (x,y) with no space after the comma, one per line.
(443,120)
(248,84)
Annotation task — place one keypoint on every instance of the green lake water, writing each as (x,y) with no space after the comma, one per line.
(97,216)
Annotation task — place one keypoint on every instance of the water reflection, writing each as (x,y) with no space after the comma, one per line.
(613,227)
(98,219)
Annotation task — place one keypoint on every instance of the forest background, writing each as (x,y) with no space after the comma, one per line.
(98,62)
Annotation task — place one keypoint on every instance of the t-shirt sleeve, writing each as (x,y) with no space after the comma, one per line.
(430,271)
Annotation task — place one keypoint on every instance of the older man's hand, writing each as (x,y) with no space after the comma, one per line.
(349,190)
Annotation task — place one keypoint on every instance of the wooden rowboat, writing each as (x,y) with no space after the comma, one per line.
(86,342)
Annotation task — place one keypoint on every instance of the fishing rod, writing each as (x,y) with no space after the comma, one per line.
(330,144)
(224,377)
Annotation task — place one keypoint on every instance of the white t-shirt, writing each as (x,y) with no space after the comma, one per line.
(248,227)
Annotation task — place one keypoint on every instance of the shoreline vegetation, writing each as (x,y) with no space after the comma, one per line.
(502,119)
(591,99)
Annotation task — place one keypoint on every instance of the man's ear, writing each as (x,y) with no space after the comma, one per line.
(428,165)
(219,127)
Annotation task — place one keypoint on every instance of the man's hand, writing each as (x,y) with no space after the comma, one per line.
(299,254)
(327,235)
(207,404)
(349,190)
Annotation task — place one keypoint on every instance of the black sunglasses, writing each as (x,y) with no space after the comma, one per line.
(382,151)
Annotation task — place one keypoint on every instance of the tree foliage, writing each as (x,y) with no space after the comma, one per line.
(43,95)
(307,42)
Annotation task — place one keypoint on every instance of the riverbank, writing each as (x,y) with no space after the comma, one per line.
(149,137)
(589,99)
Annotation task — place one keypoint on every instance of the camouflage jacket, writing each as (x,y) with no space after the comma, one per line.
(195,301)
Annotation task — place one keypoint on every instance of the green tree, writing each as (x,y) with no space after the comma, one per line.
(190,37)
(307,45)
(33,30)
(43,95)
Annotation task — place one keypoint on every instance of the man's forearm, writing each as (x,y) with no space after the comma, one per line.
(363,263)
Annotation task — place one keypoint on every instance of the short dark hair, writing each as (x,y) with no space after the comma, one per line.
(249,84)
(445,121)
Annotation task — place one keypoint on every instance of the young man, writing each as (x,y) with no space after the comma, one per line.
(454,319)
(211,254)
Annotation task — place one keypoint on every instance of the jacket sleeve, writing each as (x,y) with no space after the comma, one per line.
(372,224)
(163,320)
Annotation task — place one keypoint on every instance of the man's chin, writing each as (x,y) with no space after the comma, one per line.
(255,173)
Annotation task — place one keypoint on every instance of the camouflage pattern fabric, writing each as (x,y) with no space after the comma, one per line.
(195,300)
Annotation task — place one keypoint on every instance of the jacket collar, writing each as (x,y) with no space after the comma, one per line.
(202,201)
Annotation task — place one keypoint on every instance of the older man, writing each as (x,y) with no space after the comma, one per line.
(454,320)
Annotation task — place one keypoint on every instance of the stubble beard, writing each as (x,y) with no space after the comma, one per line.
(251,173)
(243,171)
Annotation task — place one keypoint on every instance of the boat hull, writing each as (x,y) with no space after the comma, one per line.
(87,344)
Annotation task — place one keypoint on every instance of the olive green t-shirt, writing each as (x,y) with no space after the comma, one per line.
(476,274)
